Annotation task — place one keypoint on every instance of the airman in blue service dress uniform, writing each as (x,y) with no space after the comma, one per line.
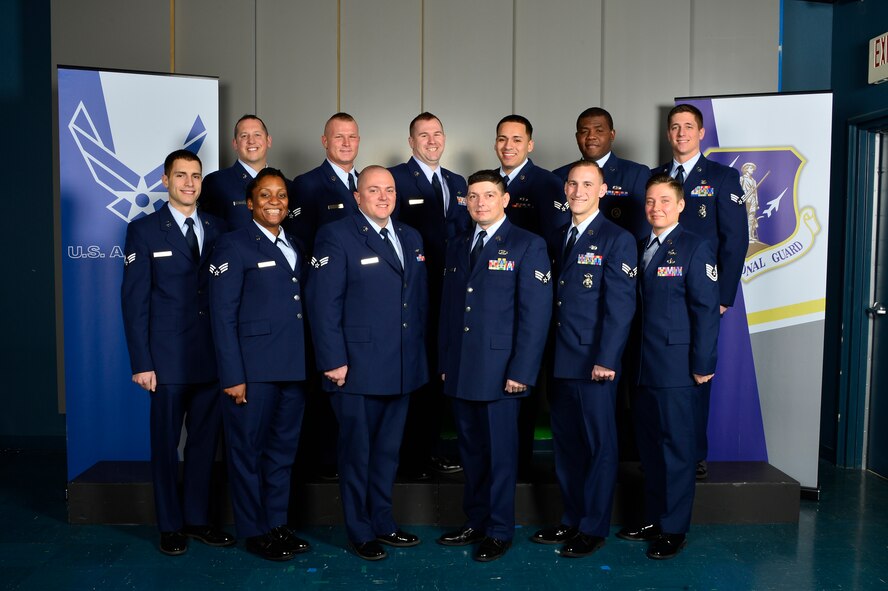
(594,269)
(623,204)
(256,283)
(167,324)
(497,303)
(715,210)
(367,299)
(431,199)
(678,321)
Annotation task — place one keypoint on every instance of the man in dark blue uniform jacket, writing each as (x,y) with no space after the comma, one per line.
(497,303)
(623,203)
(595,264)
(367,299)
(715,210)
(167,324)
(431,199)
(258,327)
(224,191)
(678,320)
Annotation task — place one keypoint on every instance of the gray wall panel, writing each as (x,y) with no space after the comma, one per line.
(557,71)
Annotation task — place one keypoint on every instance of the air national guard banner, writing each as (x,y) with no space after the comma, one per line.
(768,381)
(115,129)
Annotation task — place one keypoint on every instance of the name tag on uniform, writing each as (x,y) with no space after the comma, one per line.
(370,261)
(415,201)
(263,264)
(669,271)
(335,206)
(162,253)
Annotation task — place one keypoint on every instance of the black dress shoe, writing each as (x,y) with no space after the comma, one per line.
(173,543)
(491,549)
(209,535)
(462,537)
(399,539)
(582,545)
(290,541)
(370,550)
(702,470)
(666,546)
(554,535)
(444,465)
(645,533)
(269,547)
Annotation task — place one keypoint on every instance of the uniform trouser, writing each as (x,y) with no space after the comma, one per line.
(665,428)
(262,437)
(370,432)
(702,420)
(487,433)
(584,434)
(197,405)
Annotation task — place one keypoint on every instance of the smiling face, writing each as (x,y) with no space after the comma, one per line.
(341,142)
(183,184)
(594,137)
(662,205)
(685,135)
(584,189)
(376,194)
(251,142)
(269,202)
(513,144)
(486,203)
(427,141)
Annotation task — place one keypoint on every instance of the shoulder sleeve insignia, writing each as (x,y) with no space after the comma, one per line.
(216,271)
(543,277)
(630,271)
(129,259)
(318,263)
(712,271)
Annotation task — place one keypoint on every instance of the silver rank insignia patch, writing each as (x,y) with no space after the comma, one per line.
(216,271)
(702,211)
(294,213)
(587,280)
(630,271)
(561,206)
(129,259)
(712,271)
(318,263)
(738,199)
(543,277)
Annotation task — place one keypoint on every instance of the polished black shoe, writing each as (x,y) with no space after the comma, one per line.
(554,535)
(582,545)
(491,549)
(667,546)
(209,535)
(443,465)
(702,470)
(173,543)
(269,547)
(290,541)
(645,533)
(462,537)
(370,550)
(399,539)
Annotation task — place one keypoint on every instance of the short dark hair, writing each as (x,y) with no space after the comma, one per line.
(424,116)
(182,154)
(487,176)
(516,119)
(685,108)
(250,116)
(596,112)
(265,172)
(588,164)
(665,179)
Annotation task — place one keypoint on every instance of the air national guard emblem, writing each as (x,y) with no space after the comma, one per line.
(587,280)
(780,232)
(216,271)
(543,277)
(712,271)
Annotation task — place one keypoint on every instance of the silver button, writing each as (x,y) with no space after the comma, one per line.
(404,325)
(466,329)
(296,297)
(468,308)
(470,290)
(558,303)
(299,316)
(405,305)
(295,280)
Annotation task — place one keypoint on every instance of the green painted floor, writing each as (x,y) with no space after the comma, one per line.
(840,542)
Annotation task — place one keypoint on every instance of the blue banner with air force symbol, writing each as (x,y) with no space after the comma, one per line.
(115,129)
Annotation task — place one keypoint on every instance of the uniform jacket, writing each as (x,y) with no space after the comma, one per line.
(594,298)
(224,194)
(536,200)
(317,198)
(494,317)
(257,309)
(365,311)
(714,209)
(165,300)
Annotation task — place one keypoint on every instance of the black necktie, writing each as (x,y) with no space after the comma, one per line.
(649,251)
(680,175)
(191,239)
(385,236)
(351,183)
(571,240)
(506,180)
(476,250)
(439,192)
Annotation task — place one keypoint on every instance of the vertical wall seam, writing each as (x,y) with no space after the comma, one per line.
(602,49)
(514,51)
(422,57)
(338,55)
(256,56)
(172,36)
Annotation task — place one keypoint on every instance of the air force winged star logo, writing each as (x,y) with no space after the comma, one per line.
(712,272)
(543,277)
(630,271)
(216,271)
(135,194)
(318,263)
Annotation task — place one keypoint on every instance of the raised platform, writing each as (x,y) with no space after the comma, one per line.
(735,492)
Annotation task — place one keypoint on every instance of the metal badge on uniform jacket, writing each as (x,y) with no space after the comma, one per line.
(502,253)
(702,211)
(587,280)
(216,271)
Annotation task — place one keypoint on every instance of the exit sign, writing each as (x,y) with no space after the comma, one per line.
(878,59)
